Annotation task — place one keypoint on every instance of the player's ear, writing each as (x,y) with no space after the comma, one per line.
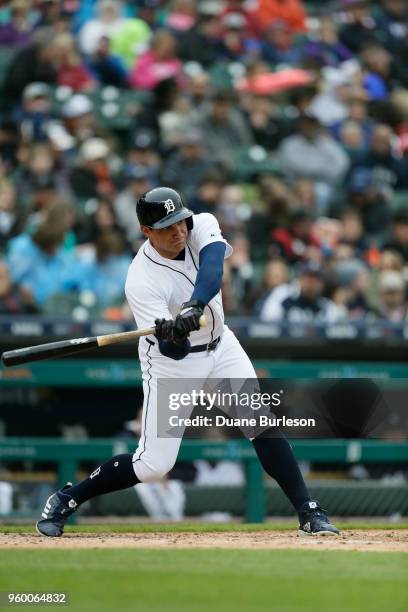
(146,231)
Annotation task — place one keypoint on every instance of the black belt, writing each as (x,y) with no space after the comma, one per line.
(206,347)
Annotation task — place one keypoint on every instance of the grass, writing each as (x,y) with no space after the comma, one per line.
(192,527)
(143,580)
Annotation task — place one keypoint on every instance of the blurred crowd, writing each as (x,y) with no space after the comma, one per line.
(287,120)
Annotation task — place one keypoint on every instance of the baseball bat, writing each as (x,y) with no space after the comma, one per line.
(73,346)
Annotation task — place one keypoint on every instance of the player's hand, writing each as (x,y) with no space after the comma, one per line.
(189,318)
(166,330)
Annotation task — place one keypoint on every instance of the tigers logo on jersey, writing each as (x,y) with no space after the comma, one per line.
(169,206)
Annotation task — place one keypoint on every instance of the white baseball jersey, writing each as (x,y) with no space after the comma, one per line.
(156,287)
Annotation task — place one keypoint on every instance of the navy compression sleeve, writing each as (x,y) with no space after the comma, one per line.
(210,270)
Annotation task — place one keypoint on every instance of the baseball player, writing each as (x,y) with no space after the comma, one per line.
(174,279)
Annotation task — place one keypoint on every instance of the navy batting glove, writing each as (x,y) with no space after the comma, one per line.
(189,318)
(166,330)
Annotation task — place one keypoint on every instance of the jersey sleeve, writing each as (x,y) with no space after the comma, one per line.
(147,303)
(207,230)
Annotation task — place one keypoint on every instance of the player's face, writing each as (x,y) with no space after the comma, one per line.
(169,241)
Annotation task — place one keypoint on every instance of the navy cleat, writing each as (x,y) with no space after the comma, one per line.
(314,521)
(58,508)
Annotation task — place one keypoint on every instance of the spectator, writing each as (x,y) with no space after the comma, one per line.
(105,276)
(297,242)
(306,304)
(19,29)
(138,181)
(266,121)
(50,14)
(370,202)
(101,220)
(359,28)
(352,232)
(327,48)
(32,63)
(39,172)
(14,300)
(240,275)
(181,16)
(243,8)
(35,112)
(39,263)
(340,85)
(187,166)
(236,44)
(107,22)
(131,38)
(224,128)
(391,24)
(313,153)
(292,11)
(388,172)
(381,73)
(351,286)
(207,195)
(143,152)
(11,219)
(198,90)
(202,43)
(79,123)
(232,210)
(391,260)
(106,67)
(71,70)
(92,177)
(399,238)
(392,304)
(158,63)
(275,287)
(278,45)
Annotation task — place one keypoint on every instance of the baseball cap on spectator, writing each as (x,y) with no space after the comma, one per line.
(36,90)
(360,180)
(346,272)
(310,268)
(144,139)
(93,149)
(210,8)
(234,21)
(391,280)
(77,106)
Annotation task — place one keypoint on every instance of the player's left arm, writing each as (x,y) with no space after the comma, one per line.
(207,285)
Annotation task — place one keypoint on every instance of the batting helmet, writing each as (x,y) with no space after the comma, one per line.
(161,207)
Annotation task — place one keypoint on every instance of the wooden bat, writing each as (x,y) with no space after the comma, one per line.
(73,346)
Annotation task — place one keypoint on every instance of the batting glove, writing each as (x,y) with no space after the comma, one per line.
(189,318)
(166,330)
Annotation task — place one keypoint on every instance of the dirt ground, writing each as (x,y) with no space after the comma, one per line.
(350,539)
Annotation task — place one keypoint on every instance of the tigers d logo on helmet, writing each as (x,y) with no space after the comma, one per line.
(169,206)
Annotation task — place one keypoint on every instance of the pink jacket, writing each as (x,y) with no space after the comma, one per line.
(148,71)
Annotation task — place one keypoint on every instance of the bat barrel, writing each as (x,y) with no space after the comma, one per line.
(46,351)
